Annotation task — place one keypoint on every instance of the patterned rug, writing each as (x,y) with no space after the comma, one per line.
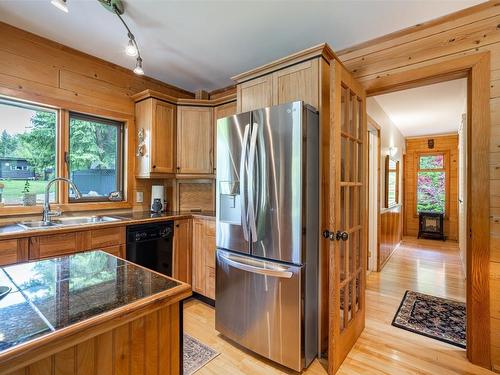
(438,318)
(196,355)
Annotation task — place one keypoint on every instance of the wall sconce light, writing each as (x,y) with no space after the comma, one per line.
(393,151)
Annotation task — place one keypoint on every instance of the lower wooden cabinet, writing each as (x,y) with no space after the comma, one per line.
(182,250)
(204,257)
(13,251)
(111,240)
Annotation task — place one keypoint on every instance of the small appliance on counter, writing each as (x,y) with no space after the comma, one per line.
(157,196)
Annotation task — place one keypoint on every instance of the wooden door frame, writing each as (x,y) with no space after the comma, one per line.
(377,127)
(476,68)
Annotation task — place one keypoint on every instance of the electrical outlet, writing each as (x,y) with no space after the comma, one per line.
(139,196)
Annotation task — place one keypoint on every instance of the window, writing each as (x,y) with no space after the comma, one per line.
(95,156)
(27,151)
(431,183)
(391,182)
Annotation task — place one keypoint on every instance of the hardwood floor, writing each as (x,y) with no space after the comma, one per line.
(426,266)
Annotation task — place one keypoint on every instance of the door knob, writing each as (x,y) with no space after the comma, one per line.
(344,236)
(329,235)
(332,236)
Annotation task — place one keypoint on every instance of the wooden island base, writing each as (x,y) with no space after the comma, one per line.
(129,344)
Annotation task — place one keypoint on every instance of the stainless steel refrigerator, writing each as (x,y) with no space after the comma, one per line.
(267,232)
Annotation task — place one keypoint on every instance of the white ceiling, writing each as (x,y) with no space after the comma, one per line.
(200,44)
(427,110)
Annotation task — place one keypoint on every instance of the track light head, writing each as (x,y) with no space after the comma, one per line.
(138,67)
(60,4)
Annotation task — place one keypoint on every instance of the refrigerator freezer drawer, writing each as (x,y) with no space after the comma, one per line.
(259,306)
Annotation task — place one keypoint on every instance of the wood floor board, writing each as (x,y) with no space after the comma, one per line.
(425,266)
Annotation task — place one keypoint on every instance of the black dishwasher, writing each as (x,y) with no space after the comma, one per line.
(150,245)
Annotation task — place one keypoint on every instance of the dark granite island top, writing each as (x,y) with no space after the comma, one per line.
(58,296)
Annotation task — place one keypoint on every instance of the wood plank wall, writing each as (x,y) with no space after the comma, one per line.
(467,32)
(414,147)
(39,70)
(35,68)
(390,234)
(131,349)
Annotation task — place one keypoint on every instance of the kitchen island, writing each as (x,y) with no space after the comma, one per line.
(90,313)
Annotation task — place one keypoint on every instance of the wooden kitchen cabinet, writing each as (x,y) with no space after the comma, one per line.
(291,81)
(13,251)
(254,94)
(58,244)
(221,111)
(298,82)
(182,250)
(155,138)
(204,257)
(111,240)
(195,149)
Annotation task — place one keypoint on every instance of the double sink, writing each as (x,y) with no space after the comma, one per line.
(67,221)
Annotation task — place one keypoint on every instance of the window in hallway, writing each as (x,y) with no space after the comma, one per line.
(431,183)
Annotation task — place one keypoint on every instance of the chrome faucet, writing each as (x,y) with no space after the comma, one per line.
(47,213)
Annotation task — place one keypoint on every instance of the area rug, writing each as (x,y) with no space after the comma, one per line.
(196,355)
(439,318)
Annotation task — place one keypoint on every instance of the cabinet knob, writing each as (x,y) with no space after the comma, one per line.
(177,225)
(178,167)
(154,166)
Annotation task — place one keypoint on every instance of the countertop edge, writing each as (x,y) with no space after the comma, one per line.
(26,233)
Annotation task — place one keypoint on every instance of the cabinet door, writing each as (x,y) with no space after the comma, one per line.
(195,140)
(198,256)
(163,138)
(58,244)
(100,238)
(210,258)
(255,94)
(13,251)
(298,82)
(182,251)
(221,111)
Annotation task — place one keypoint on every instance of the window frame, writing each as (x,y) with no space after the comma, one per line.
(388,160)
(62,201)
(445,169)
(120,152)
(35,107)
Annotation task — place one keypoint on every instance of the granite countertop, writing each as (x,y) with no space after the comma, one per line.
(51,295)
(9,229)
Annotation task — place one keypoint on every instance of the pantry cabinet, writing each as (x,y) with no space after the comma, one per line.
(204,257)
(195,148)
(155,138)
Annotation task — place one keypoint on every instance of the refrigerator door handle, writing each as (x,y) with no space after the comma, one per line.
(251,193)
(243,160)
(240,263)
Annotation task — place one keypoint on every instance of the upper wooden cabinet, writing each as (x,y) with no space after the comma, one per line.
(255,94)
(195,148)
(298,82)
(155,138)
(300,76)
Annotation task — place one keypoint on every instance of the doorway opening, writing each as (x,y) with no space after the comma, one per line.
(420,231)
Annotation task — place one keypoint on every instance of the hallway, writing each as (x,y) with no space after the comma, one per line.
(425,266)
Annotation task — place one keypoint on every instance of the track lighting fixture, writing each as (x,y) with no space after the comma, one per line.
(116,7)
(60,4)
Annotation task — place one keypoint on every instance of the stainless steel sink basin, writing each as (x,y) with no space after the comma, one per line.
(84,220)
(67,221)
(36,224)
